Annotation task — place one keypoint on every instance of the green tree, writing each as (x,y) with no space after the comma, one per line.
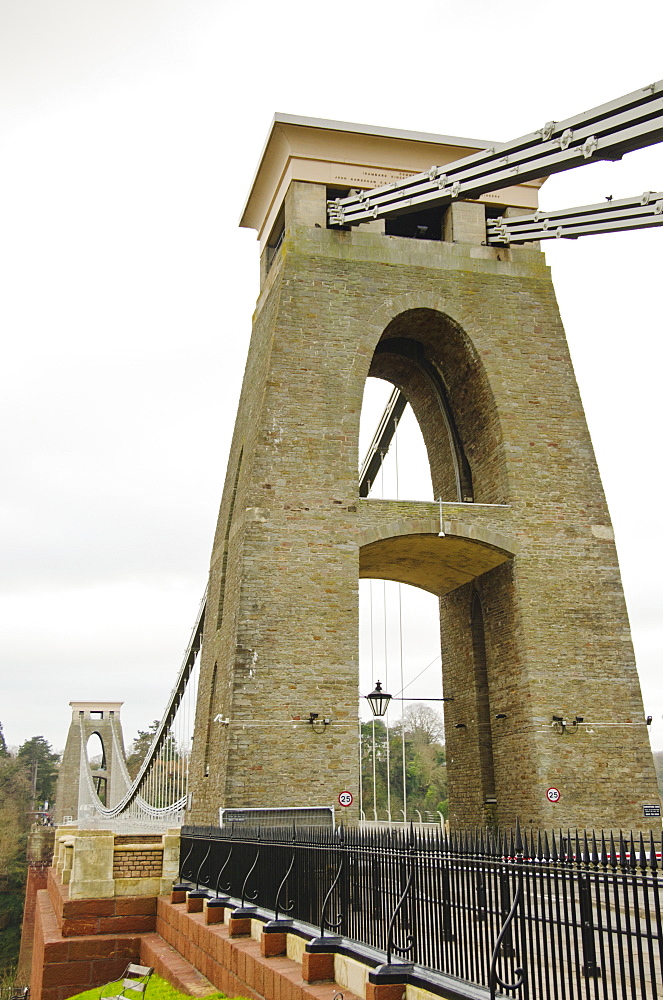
(168,785)
(41,764)
(425,767)
(15,792)
(139,748)
(4,752)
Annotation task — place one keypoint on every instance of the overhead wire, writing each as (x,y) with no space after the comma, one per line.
(386,669)
(400,643)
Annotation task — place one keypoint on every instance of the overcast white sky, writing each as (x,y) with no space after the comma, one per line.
(130,131)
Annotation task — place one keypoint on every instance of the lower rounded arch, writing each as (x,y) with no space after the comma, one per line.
(421,557)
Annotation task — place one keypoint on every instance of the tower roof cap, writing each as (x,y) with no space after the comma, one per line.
(349,155)
(96,706)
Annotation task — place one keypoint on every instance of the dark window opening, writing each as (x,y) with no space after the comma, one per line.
(226,542)
(275,238)
(212,699)
(426,225)
(494,211)
(101,787)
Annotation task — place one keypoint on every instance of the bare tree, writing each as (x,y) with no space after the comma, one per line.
(423,724)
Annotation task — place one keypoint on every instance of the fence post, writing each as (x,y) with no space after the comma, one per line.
(590,969)
(508,951)
(376,895)
(447,922)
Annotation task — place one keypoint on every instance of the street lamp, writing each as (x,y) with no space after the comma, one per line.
(378,700)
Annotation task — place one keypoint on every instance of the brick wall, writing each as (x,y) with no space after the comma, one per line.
(84,942)
(137,862)
(132,838)
(37,879)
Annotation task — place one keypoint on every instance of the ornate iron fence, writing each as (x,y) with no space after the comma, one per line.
(537,915)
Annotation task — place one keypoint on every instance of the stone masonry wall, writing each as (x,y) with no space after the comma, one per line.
(283,627)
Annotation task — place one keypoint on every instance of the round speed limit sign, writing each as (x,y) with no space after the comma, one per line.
(345,799)
(552,795)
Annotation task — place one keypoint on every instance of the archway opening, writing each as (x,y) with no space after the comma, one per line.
(96,758)
(403,471)
(427,382)
(431,360)
(402,757)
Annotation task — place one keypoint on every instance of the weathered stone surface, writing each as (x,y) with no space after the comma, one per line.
(533,617)
(87,718)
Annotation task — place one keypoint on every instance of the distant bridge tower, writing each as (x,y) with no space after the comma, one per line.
(546,723)
(87,719)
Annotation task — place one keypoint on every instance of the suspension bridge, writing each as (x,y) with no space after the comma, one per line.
(457,314)
(376,265)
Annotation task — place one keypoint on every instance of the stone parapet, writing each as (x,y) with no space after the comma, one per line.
(101,865)
(103,915)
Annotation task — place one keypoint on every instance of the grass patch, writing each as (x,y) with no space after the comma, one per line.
(157,989)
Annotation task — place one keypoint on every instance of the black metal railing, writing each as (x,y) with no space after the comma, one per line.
(559,916)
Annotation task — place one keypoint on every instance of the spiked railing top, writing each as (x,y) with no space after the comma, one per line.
(529,847)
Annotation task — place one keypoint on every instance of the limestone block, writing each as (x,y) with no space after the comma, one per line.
(92,868)
(92,889)
(373,226)
(171,855)
(465,222)
(140,886)
(306,205)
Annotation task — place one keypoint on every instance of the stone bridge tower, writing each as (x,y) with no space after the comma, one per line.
(536,647)
(87,719)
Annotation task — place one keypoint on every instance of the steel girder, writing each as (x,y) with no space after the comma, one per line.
(604,133)
(588,220)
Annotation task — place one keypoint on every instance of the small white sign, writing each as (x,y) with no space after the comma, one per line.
(345,799)
(552,795)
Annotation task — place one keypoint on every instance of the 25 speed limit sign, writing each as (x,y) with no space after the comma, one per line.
(552,795)
(345,799)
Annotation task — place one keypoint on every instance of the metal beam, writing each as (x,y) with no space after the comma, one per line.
(603,133)
(641,212)
(379,446)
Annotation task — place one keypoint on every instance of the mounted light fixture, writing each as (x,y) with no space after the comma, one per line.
(378,700)
(317,723)
(565,726)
